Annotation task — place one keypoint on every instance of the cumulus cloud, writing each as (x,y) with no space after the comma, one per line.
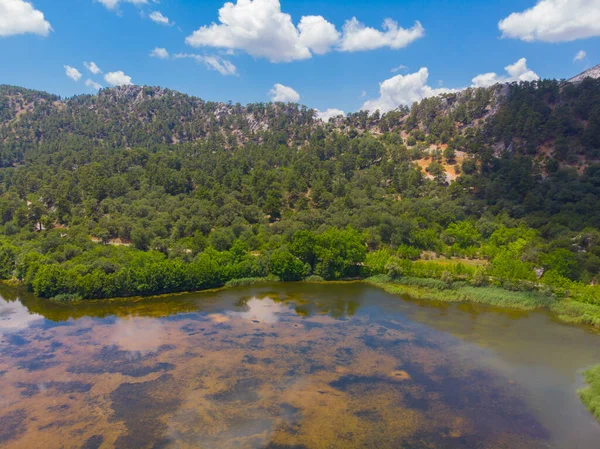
(257,27)
(157,16)
(20,17)
(160,53)
(516,72)
(73,73)
(403,90)
(284,94)
(117,79)
(112,4)
(317,34)
(359,37)
(93,84)
(329,113)
(92,67)
(263,30)
(554,21)
(223,66)
(580,56)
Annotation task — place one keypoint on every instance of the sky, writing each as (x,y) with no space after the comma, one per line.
(335,55)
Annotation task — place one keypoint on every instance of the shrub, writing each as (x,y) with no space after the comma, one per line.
(288,267)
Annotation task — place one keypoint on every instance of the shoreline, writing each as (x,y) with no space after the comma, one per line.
(563,310)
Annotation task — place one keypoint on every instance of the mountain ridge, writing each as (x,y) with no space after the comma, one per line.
(130,116)
(594,73)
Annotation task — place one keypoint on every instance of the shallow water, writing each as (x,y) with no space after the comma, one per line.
(289,367)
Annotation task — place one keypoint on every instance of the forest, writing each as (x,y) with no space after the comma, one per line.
(142,191)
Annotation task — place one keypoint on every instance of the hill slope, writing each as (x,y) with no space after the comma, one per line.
(178,187)
(594,73)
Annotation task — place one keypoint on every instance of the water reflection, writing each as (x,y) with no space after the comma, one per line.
(287,367)
(14,316)
(136,334)
(260,310)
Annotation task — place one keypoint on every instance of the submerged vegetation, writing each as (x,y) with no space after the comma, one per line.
(590,395)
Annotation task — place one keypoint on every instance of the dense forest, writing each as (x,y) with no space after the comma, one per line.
(140,190)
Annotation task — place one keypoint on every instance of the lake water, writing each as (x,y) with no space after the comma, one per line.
(296,366)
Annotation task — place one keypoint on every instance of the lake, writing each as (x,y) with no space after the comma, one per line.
(289,366)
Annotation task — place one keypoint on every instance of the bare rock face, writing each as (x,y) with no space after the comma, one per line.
(594,72)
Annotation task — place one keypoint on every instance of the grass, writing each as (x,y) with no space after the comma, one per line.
(243,282)
(434,289)
(431,289)
(66,298)
(590,395)
(314,278)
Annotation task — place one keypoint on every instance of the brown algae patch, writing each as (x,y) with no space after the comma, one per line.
(253,376)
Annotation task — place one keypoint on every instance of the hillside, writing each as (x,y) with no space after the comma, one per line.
(594,73)
(130,116)
(507,175)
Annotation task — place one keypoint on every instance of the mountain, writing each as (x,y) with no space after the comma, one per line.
(141,190)
(515,118)
(594,73)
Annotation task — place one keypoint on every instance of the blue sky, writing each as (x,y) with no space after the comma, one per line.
(459,40)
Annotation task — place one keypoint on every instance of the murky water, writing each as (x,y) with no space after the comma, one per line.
(289,367)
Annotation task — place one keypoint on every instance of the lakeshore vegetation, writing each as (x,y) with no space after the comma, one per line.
(489,195)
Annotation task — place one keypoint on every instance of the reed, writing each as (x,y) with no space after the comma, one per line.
(590,395)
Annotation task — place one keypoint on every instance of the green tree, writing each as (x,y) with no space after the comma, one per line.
(288,267)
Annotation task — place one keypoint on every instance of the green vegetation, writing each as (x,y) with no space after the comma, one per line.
(590,396)
(145,191)
(433,289)
(250,281)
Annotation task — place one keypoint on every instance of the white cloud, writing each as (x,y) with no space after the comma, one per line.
(112,4)
(20,17)
(397,69)
(261,29)
(117,79)
(223,66)
(403,90)
(93,84)
(516,72)
(329,113)
(257,27)
(580,56)
(92,67)
(317,34)
(157,16)
(359,37)
(160,53)
(73,73)
(554,21)
(284,94)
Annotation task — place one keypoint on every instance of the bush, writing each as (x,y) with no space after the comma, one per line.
(397,268)
(479,278)
(408,252)
(288,267)
(375,263)
(7,261)
(314,278)
(67,298)
(247,281)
